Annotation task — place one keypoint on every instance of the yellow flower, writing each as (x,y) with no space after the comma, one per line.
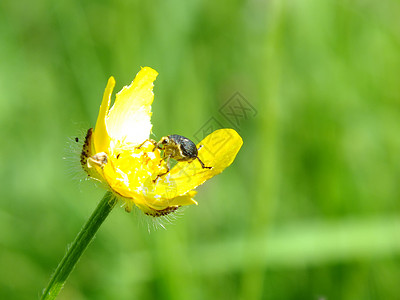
(118,152)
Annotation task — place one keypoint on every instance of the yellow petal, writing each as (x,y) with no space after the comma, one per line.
(100,136)
(129,118)
(217,150)
(162,203)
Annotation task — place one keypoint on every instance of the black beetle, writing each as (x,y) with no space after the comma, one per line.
(179,148)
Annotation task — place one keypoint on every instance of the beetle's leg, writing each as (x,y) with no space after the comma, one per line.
(168,169)
(148,140)
(202,164)
(156,145)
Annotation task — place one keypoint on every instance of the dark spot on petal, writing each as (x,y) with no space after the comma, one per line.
(162,212)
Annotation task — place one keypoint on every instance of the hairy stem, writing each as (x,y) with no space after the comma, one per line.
(79,245)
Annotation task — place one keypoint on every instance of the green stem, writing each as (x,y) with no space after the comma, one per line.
(80,244)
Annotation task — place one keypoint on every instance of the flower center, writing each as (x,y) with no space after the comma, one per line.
(134,169)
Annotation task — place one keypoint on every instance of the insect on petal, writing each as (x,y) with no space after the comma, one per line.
(217,150)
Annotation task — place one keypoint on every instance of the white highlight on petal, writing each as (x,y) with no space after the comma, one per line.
(128,121)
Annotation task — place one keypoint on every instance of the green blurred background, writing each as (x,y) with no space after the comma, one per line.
(309,209)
